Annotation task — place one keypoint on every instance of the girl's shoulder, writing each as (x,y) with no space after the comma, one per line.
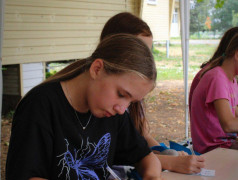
(46,89)
(215,76)
(43,92)
(215,73)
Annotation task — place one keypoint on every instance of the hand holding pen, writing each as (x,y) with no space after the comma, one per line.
(190,147)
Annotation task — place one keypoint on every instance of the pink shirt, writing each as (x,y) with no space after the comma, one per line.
(207,133)
(194,84)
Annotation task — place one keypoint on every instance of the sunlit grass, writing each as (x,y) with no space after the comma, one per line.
(172,68)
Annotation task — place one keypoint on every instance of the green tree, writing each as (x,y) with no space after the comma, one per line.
(199,14)
(234,19)
(223,18)
(218,4)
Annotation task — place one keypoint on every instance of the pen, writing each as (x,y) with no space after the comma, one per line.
(190,147)
(112,173)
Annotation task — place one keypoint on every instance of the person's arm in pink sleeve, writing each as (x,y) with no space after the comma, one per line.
(236,111)
(228,122)
(216,89)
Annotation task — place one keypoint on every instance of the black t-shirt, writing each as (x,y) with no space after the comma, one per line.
(47,140)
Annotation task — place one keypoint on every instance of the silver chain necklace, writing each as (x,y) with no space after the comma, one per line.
(84,127)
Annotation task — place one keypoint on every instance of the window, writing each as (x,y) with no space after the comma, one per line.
(153,2)
(175,16)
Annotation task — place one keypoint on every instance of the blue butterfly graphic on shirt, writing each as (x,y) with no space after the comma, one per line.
(92,157)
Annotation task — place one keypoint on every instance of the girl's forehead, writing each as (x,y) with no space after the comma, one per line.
(148,40)
(134,84)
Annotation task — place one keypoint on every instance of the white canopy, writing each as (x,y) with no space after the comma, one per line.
(1,83)
(184,16)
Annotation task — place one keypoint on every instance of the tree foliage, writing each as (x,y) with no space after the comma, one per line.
(199,14)
(208,23)
(219,3)
(225,17)
(223,14)
(234,19)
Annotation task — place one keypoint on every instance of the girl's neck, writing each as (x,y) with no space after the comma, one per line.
(229,68)
(75,91)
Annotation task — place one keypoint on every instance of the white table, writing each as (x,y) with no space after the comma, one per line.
(224,161)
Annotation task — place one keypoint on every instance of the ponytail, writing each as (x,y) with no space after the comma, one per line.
(137,114)
(216,62)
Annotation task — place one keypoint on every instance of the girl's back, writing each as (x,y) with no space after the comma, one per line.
(206,130)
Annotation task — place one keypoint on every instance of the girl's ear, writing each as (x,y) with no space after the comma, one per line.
(96,68)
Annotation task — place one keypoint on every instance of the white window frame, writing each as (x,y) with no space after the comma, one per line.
(152,2)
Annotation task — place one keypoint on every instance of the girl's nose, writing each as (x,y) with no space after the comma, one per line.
(120,109)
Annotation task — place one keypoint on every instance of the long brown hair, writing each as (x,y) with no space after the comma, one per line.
(125,23)
(226,38)
(229,52)
(128,23)
(121,53)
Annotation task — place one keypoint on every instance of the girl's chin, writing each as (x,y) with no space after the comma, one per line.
(101,114)
(98,115)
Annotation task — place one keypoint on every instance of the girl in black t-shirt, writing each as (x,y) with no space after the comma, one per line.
(74,125)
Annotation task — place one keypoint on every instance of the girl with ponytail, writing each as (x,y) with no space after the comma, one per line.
(214,113)
(229,34)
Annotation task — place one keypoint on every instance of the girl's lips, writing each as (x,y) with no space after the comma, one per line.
(107,114)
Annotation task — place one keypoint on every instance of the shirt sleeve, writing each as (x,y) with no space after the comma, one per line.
(217,89)
(131,146)
(31,142)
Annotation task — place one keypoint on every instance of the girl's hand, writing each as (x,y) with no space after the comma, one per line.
(188,164)
(160,178)
(182,153)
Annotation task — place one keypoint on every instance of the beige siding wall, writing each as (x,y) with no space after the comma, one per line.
(54,30)
(171,9)
(157,17)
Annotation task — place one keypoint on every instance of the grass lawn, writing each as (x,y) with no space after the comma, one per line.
(172,68)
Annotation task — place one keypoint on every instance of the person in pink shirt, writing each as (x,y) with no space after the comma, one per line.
(220,49)
(214,113)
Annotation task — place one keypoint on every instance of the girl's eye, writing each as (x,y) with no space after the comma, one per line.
(120,95)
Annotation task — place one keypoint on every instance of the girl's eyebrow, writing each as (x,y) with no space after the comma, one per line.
(129,94)
(125,91)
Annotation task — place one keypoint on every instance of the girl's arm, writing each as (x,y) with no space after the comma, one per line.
(150,140)
(228,121)
(236,111)
(149,167)
(182,164)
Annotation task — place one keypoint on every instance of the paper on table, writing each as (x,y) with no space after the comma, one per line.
(206,172)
